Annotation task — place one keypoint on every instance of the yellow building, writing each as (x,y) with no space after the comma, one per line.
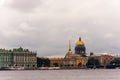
(70,60)
(56,62)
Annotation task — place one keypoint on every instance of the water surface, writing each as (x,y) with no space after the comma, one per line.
(91,74)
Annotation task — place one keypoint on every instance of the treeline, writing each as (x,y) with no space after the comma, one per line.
(43,62)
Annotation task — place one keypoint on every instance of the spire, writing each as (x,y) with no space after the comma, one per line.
(69,50)
(79,38)
(69,46)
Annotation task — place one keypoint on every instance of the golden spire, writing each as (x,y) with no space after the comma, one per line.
(69,50)
(69,46)
(79,38)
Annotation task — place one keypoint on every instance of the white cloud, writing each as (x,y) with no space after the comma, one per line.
(109,35)
(2,2)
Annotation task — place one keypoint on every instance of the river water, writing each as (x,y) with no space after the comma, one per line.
(82,74)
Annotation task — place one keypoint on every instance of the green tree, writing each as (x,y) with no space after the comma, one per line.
(115,62)
(92,62)
(43,62)
(55,64)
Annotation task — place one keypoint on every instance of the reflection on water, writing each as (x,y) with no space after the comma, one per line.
(97,74)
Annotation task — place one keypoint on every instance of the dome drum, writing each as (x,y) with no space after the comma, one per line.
(80,48)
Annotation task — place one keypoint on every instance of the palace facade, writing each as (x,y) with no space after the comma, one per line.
(18,58)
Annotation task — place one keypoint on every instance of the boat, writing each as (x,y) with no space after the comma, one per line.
(16,68)
(49,68)
(43,68)
(54,68)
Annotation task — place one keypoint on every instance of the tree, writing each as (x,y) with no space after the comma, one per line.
(61,65)
(92,62)
(115,62)
(55,64)
(43,62)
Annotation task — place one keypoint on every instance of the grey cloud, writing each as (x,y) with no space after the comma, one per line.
(52,25)
(25,5)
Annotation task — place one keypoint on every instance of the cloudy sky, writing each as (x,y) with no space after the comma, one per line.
(46,26)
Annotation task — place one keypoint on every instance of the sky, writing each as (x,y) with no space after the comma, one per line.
(46,26)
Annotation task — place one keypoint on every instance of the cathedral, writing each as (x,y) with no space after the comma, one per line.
(77,59)
(80,48)
(72,60)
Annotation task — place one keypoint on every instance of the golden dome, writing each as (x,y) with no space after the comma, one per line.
(80,42)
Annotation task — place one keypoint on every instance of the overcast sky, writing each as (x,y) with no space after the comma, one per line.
(46,26)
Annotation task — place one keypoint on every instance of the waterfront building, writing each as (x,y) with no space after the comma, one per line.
(6,58)
(55,62)
(75,60)
(18,58)
(71,60)
(104,59)
(79,59)
(69,53)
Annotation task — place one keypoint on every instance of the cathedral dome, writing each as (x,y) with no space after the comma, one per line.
(79,42)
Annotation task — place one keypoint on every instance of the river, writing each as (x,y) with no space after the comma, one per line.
(82,74)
